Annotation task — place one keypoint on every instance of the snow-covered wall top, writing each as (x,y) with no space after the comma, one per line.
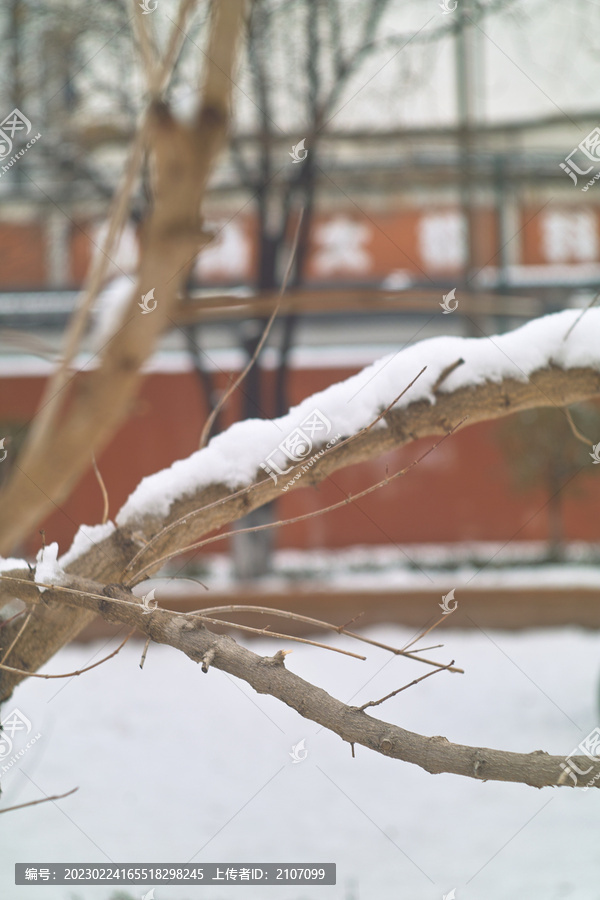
(235,456)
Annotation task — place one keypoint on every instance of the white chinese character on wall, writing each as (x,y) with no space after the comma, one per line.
(341,247)
(442,240)
(570,236)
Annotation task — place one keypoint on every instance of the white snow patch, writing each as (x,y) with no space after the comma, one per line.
(86,538)
(48,569)
(234,457)
(7,565)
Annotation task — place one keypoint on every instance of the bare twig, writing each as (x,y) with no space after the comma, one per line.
(6,622)
(281,522)
(143,659)
(183,520)
(399,690)
(266,632)
(580,437)
(424,633)
(581,315)
(233,387)
(147,50)
(70,674)
(103,490)
(61,588)
(445,373)
(18,635)
(35,802)
(318,623)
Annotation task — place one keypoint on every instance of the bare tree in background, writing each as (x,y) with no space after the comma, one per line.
(312,54)
(541,453)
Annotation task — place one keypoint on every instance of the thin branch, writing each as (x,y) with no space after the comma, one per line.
(147,50)
(399,690)
(176,38)
(183,520)
(105,599)
(143,659)
(18,635)
(103,490)
(5,622)
(318,623)
(445,373)
(35,802)
(233,387)
(424,633)
(266,632)
(580,437)
(281,522)
(69,674)
(581,315)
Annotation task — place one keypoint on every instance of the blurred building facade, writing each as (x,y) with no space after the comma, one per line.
(392,214)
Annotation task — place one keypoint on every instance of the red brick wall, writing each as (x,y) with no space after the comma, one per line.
(22,255)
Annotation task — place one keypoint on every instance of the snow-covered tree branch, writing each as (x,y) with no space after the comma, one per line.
(546,362)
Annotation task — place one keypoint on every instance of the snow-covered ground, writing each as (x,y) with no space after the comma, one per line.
(176,766)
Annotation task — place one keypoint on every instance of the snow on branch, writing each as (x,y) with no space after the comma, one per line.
(352,404)
(531,367)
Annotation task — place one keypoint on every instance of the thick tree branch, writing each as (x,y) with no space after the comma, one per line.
(183,158)
(50,628)
(268,675)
